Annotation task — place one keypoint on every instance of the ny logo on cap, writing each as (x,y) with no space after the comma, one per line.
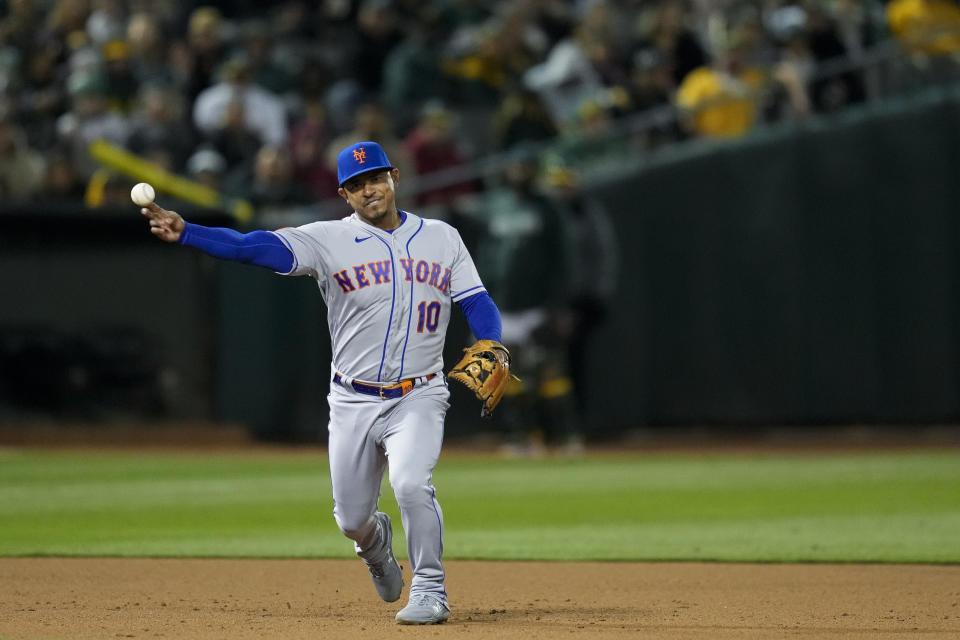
(360,155)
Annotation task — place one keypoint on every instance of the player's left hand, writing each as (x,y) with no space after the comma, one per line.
(485,370)
(166,225)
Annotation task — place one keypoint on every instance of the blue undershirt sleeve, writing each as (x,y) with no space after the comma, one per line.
(482,316)
(261,248)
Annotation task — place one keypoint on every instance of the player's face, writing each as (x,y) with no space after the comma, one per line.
(373,196)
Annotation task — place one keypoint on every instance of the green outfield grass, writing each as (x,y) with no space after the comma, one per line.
(883,507)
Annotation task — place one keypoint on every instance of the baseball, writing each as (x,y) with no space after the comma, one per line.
(142,194)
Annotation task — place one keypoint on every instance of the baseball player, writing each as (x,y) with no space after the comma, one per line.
(389,279)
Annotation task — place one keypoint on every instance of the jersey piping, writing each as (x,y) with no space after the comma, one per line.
(406,340)
(393,302)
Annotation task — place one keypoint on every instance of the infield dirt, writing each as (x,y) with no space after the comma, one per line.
(81,598)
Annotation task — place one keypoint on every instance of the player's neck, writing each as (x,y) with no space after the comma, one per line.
(389,221)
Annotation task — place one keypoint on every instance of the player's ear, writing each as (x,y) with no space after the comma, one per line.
(395,174)
(343,193)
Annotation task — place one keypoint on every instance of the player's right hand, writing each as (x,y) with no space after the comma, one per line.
(166,225)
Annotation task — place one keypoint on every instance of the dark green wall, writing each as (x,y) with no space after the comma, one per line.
(807,275)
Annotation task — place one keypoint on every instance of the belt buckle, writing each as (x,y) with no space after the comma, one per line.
(380,390)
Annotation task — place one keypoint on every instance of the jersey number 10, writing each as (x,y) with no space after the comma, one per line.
(429,316)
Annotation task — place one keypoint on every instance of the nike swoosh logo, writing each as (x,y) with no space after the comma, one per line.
(355,239)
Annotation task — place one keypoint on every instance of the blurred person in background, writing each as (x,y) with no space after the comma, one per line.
(41,96)
(61,181)
(726,99)
(525,254)
(236,142)
(378,32)
(808,37)
(89,120)
(107,21)
(651,87)
(21,168)
(67,21)
(412,75)
(122,84)
(522,118)
(592,141)
(432,146)
(22,26)
(663,33)
(567,76)
(929,32)
(273,190)
(308,145)
(107,189)
(264,113)
(372,122)
(204,52)
(486,60)
(267,70)
(147,48)
(593,273)
(158,122)
(207,167)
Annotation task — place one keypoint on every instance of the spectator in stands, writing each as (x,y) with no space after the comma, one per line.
(378,32)
(926,27)
(432,147)
(205,50)
(651,80)
(89,120)
(412,74)
(666,38)
(207,167)
(726,99)
(21,168)
(41,97)
(61,181)
(484,61)
(273,189)
(158,122)
(22,26)
(264,113)
(308,144)
(146,46)
(265,69)
(821,37)
(67,21)
(592,141)
(372,122)
(237,143)
(122,83)
(107,21)
(929,32)
(521,119)
(568,76)
(107,188)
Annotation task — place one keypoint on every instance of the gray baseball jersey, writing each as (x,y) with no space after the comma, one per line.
(388,295)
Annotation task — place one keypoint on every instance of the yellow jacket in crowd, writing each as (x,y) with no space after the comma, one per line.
(929,27)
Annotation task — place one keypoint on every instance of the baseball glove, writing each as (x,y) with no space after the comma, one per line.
(485,370)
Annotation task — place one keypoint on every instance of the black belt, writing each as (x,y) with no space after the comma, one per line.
(397,390)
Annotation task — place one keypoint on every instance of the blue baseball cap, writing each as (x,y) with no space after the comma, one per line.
(360,157)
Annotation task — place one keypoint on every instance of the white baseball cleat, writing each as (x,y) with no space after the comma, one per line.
(424,608)
(386,573)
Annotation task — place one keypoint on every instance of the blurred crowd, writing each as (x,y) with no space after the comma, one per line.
(254,99)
